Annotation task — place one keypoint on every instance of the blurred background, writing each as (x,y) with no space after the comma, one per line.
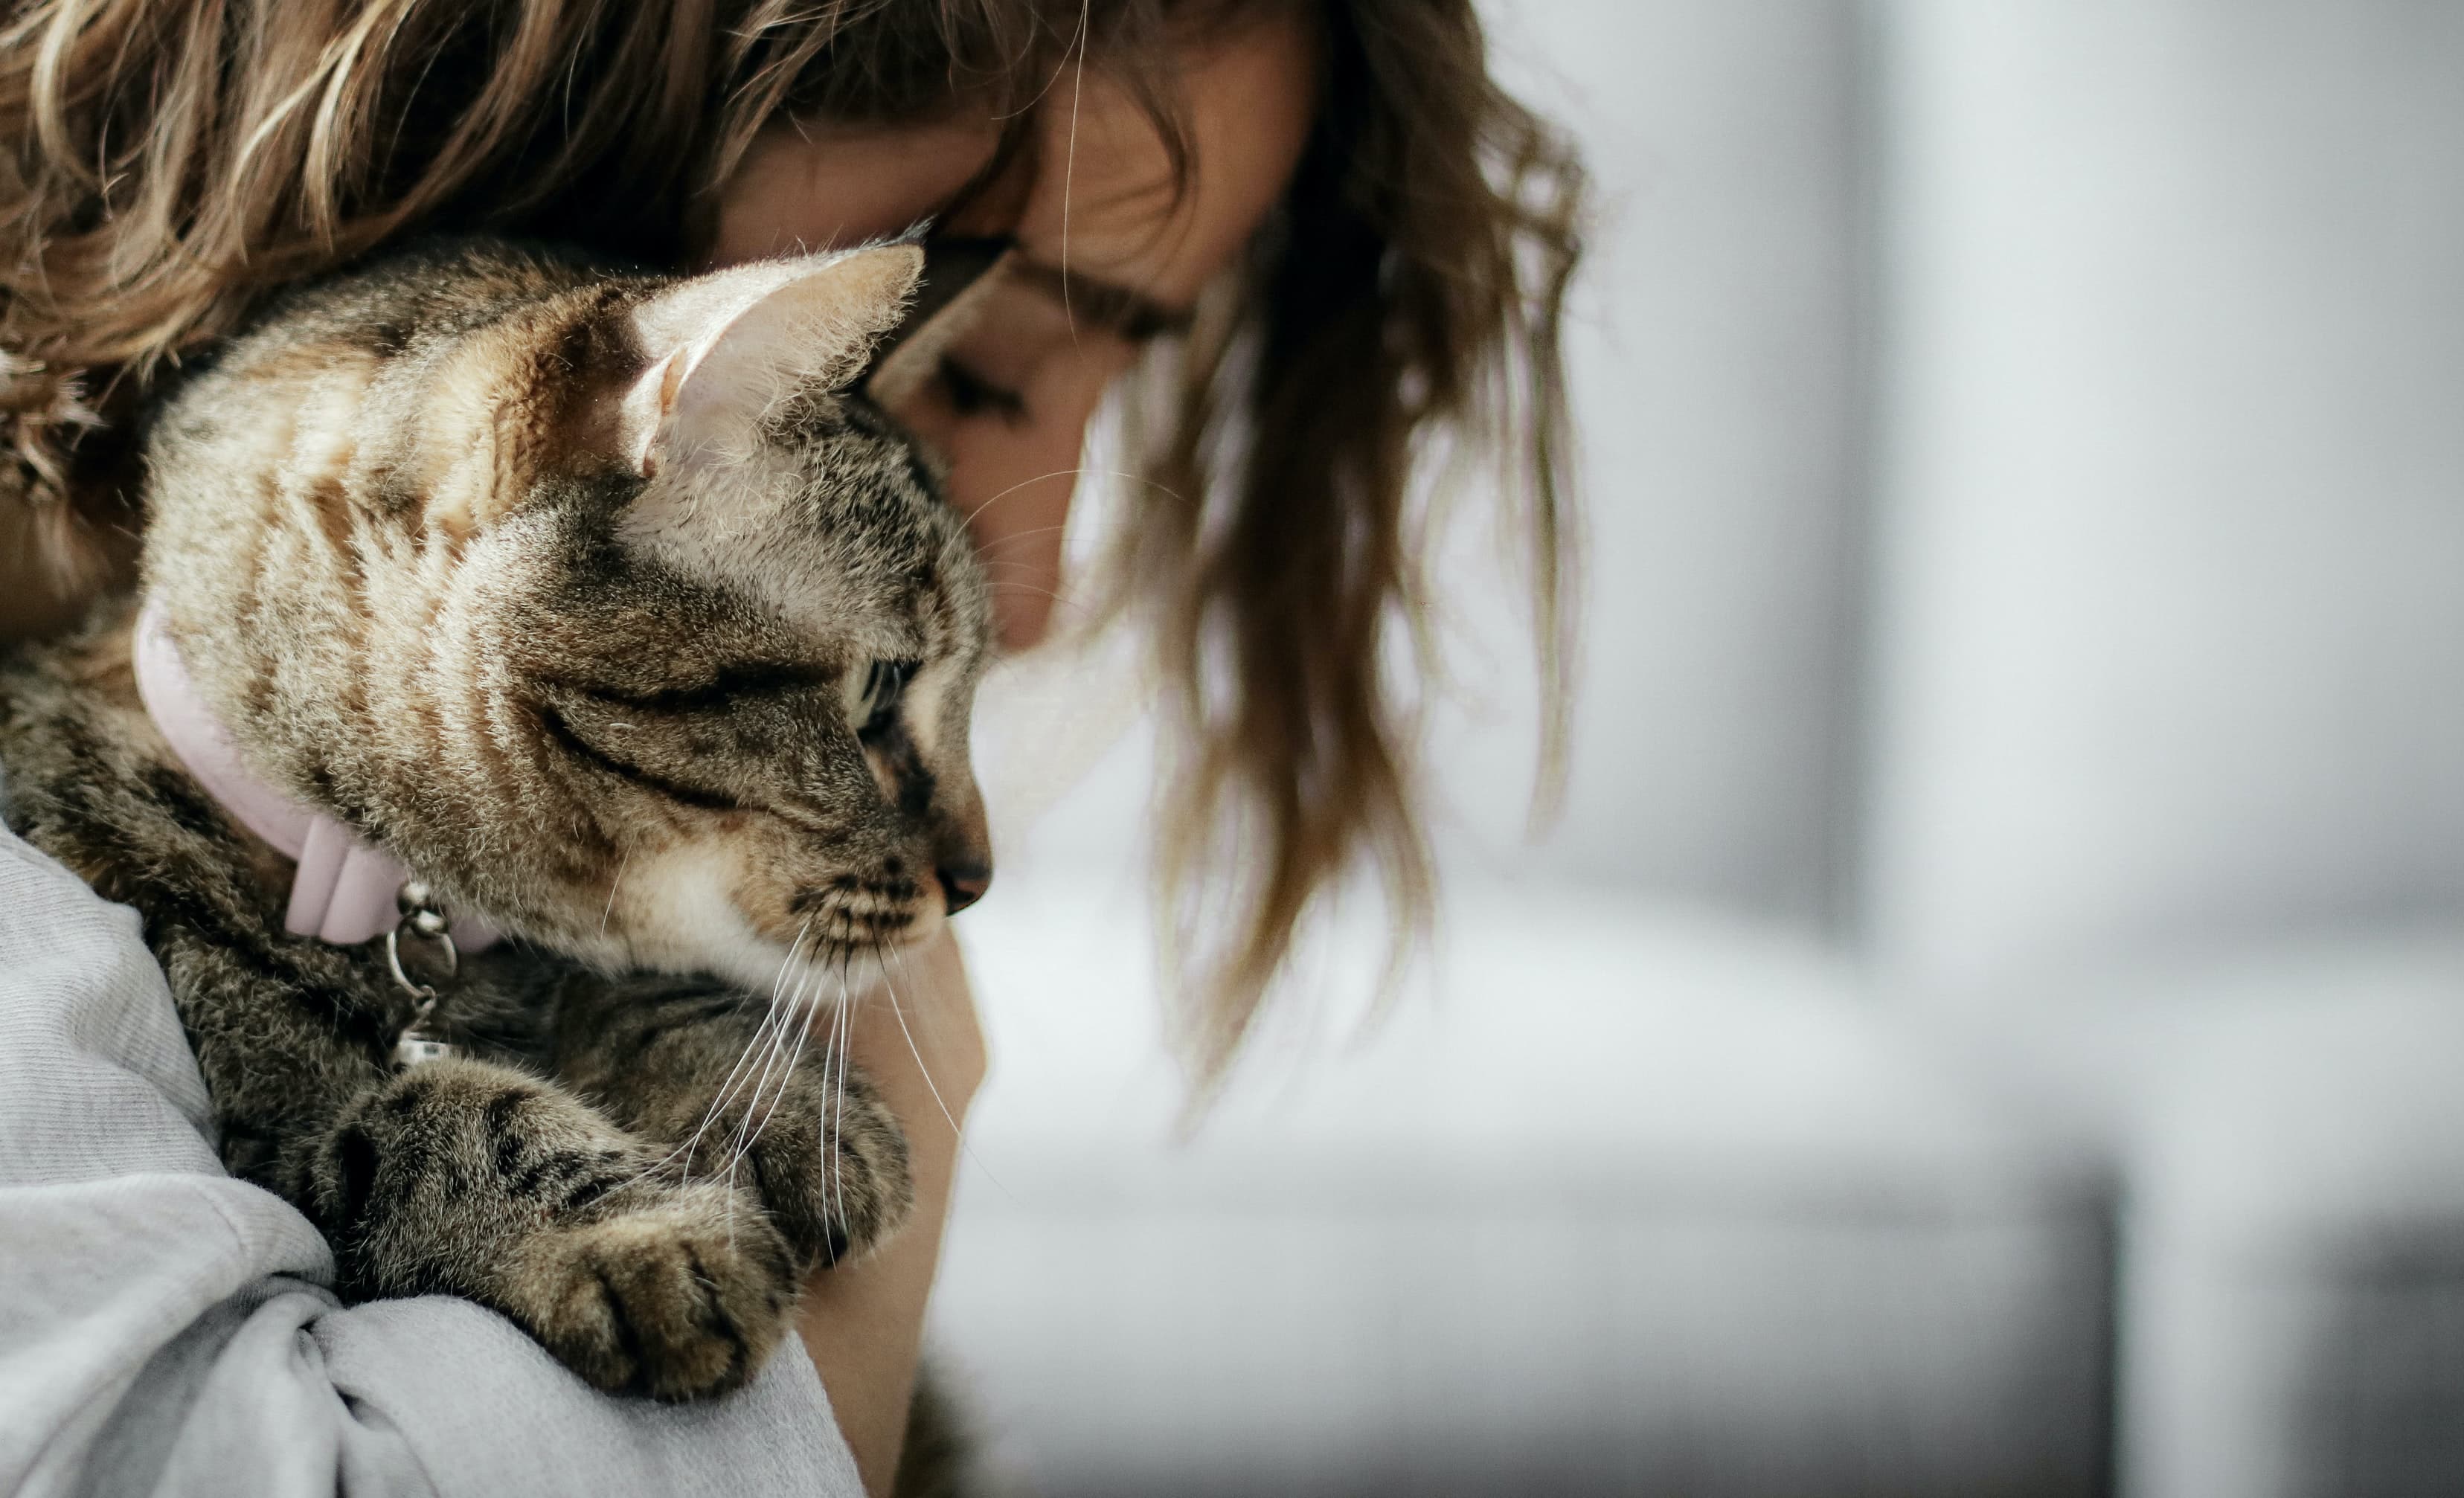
(1991,1019)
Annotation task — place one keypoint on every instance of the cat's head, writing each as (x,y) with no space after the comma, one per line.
(736,644)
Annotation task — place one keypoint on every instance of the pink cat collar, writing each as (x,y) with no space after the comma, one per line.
(344,889)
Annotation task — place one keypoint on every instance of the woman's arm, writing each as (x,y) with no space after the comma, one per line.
(864,1324)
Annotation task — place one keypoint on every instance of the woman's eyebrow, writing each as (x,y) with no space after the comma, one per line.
(1118,309)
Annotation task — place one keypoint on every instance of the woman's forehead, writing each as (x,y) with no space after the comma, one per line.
(812,186)
(1095,197)
(1103,202)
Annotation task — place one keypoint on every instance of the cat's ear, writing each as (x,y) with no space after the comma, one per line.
(725,348)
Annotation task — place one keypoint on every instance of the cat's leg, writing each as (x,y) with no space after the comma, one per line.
(475,1179)
(745,1093)
(478,1179)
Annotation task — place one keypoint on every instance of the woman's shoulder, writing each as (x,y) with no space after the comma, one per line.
(96,1077)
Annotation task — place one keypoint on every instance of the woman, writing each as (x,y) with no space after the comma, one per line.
(1319,228)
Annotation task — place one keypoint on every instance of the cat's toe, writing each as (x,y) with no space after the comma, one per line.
(835,1176)
(680,1299)
(872,1190)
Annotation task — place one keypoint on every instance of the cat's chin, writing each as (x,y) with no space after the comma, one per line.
(811,986)
(817,984)
(674,914)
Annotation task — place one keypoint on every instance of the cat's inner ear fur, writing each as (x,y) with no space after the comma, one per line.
(726,348)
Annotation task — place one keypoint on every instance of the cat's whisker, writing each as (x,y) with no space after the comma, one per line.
(1078,470)
(683,1151)
(751,1134)
(1012,538)
(1029,588)
(771,1015)
(991,567)
(845,1030)
(802,1032)
(1069,162)
(889,990)
(997,566)
(893,954)
(614,885)
(1024,483)
(795,1058)
(1134,477)
(786,1009)
(781,1038)
(1077,608)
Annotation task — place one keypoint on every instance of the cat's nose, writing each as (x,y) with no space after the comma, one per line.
(964,883)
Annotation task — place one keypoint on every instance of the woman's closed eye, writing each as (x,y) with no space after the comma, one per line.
(970,393)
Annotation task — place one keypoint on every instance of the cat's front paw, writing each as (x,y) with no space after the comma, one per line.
(683,1064)
(680,1298)
(831,1166)
(475,1179)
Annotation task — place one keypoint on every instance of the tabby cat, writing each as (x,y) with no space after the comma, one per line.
(610,611)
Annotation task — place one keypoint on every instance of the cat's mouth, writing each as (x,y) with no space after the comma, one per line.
(708,908)
(848,935)
(852,910)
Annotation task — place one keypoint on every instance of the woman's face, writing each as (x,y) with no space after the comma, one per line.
(1104,261)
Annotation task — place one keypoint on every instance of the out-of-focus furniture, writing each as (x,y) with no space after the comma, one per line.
(1993,1017)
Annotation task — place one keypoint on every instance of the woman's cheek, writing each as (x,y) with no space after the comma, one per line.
(1014,480)
(1014,486)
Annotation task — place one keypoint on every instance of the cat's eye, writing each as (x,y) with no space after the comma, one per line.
(885,683)
(972,394)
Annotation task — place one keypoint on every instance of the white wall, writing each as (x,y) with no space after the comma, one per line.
(1713,365)
(2172,550)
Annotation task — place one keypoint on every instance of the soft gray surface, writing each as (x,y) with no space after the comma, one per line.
(2291,1133)
(165,1328)
(2296,1258)
(1676,1345)
(1618,1202)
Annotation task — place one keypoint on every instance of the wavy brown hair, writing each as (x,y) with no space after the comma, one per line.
(170,163)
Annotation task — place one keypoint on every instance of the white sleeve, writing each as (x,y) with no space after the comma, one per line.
(166,1328)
